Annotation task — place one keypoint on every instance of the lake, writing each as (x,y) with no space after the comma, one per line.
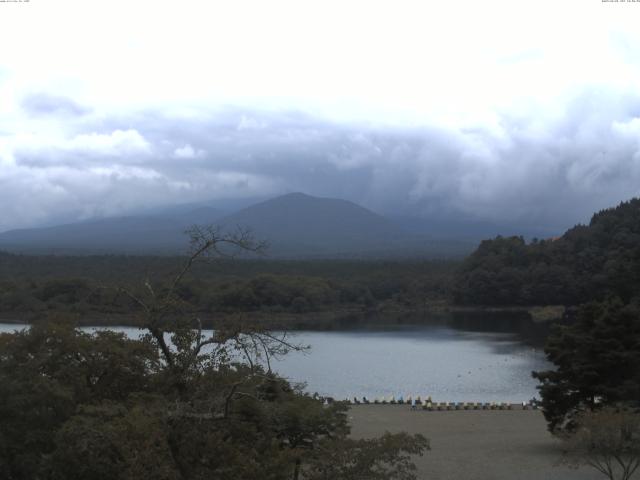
(449,363)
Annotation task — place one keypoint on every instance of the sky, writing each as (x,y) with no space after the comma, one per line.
(504,111)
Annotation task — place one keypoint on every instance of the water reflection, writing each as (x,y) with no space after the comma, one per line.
(492,322)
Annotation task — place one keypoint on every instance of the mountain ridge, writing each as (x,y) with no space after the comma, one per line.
(295,225)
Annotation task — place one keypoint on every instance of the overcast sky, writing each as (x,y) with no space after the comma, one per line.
(507,111)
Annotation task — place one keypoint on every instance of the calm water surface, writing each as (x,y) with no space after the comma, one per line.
(447,363)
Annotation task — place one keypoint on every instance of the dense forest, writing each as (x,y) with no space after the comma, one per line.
(88,286)
(588,262)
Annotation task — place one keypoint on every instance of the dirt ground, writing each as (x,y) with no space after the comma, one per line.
(474,444)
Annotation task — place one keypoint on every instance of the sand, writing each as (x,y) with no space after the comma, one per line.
(474,444)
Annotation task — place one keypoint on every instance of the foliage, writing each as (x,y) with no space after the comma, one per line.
(46,372)
(597,362)
(367,459)
(174,404)
(32,286)
(607,440)
(586,263)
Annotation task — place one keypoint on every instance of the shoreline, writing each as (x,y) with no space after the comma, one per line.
(321,318)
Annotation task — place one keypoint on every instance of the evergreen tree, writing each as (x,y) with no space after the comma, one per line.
(597,362)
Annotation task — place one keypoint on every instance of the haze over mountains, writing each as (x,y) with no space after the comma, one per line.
(294,225)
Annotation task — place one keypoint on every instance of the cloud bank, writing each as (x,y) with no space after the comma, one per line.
(495,110)
(518,169)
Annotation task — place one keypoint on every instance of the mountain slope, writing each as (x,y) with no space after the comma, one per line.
(294,225)
(297,223)
(135,235)
(588,262)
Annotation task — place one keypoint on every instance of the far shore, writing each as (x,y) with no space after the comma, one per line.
(321,319)
(474,444)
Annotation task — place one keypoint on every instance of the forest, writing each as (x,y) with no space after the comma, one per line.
(589,262)
(88,286)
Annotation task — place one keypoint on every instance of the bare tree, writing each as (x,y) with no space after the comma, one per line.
(607,440)
(177,331)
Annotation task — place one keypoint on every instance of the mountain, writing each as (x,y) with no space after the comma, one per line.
(133,235)
(300,224)
(197,216)
(295,226)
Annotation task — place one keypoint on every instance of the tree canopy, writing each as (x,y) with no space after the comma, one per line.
(33,286)
(174,404)
(586,263)
(597,362)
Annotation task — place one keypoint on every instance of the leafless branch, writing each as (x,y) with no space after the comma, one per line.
(149,288)
(137,300)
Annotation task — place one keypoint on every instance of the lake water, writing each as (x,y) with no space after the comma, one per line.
(450,364)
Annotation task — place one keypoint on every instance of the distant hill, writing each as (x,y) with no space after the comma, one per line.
(134,235)
(295,226)
(199,216)
(587,263)
(299,224)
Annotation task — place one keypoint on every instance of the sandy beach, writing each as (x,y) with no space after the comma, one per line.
(474,444)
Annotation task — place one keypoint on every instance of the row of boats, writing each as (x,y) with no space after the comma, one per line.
(426,403)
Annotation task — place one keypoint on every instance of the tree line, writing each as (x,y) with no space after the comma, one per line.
(589,262)
(33,286)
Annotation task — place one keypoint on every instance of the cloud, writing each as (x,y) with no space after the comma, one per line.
(537,169)
(249,123)
(188,152)
(118,145)
(440,116)
(46,104)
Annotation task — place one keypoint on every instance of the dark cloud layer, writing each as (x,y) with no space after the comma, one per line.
(549,172)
